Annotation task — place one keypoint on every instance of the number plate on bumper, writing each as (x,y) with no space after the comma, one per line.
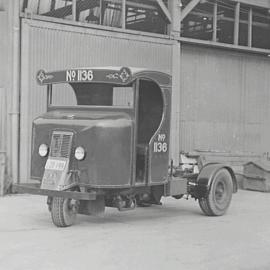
(54,164)
(54,174)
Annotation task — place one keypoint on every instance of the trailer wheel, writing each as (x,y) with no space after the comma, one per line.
(219,197)
(63,211)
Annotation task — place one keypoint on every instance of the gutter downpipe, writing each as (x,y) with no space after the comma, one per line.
(15,88)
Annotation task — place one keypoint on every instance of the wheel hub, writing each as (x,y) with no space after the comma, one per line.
(221,192)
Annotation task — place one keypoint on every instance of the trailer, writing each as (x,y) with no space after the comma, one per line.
(108,145)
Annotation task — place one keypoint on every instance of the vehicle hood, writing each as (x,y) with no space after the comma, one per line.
(106,136)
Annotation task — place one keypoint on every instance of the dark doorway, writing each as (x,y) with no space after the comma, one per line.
(150,111)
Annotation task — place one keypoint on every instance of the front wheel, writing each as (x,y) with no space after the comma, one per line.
(63,211)
(219,197)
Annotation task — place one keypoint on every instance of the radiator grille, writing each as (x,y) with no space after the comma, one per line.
(61,144)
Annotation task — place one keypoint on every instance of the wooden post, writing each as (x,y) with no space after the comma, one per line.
(250,21)
(214,37)
(2,173)
(236,23)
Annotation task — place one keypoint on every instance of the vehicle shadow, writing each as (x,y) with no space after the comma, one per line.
(143,215)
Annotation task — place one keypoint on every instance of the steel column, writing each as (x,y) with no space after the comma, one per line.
(74,10)
(214,37)
(14,108)
(175,9)
(250,21)
(124,14)
(236,23)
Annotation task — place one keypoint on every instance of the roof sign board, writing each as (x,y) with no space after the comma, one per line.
(84,75)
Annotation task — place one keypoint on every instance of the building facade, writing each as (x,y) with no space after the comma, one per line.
(217,52)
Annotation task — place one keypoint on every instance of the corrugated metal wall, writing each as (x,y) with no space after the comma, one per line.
(224,95)
(51,47)
(225,99)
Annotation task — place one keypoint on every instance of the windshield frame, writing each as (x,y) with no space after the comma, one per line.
(51,106)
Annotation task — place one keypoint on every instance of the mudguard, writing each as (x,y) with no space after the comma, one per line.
(206,176)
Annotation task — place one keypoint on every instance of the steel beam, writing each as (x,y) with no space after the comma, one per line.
(258,3)
(165,11)
(133,4)
(191,5)
(225,46)
(84,5)
(229,19)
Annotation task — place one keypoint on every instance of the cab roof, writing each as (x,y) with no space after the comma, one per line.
(113,75)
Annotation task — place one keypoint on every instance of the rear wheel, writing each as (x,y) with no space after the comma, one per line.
(204,207)
(63,211)
(219,198)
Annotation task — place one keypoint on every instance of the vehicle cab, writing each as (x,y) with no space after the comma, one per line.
(112,129)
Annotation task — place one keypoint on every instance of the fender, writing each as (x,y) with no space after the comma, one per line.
(206,176)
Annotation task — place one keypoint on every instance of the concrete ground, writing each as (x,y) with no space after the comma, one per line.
(172,236)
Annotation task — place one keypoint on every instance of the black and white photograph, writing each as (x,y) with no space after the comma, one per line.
(135,134)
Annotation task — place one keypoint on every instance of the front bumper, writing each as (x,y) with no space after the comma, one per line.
(36,190)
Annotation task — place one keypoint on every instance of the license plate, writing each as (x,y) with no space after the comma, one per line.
(53,164)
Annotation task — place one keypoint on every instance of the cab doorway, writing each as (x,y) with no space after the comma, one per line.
(149,116)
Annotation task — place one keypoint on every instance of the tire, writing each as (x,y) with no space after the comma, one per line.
(219,198)
(63,211)
(204,207)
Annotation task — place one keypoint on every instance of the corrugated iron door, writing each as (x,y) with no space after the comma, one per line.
(224,101)
(52,46)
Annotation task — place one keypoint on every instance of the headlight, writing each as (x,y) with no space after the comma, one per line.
(79,153)
(43,150)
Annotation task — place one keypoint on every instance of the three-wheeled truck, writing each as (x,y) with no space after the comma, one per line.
(108,144)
